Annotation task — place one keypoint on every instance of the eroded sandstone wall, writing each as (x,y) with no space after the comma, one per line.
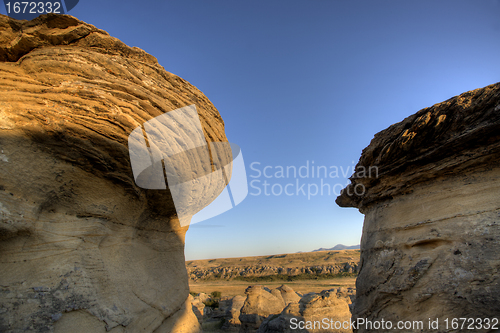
(431,234)
(82,248)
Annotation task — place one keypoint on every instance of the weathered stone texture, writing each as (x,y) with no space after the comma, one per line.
(80,243)
(431,235)
(325,312)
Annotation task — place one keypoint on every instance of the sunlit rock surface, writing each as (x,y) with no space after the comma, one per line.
(325,312)
(431,235)
(82,247)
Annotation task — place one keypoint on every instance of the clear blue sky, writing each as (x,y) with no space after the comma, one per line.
(299,81)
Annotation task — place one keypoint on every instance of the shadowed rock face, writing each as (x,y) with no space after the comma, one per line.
(431,235)
(82,248)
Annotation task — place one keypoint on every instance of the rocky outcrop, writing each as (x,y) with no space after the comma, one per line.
(198,307)
(82,247)
(232,322)
(218,313)
(428,187)
(327,311)
(260,303)
(279,310)
(229,273)
(288,294)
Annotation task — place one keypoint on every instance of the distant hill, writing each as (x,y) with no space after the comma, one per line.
(339,247)
(282,266)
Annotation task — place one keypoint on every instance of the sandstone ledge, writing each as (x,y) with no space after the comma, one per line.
(448,138)
(431,234)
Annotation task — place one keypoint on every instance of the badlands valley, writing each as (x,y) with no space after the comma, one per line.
(238,294)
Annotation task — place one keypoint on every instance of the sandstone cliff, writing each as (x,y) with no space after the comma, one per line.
(82,248)
(431,235)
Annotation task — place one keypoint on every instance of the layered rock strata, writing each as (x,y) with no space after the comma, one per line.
(429,188)
(82,247)
(231,273)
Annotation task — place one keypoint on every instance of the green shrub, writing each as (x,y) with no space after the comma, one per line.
(213,303)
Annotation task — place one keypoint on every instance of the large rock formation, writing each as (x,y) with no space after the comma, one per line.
(260,303)
(233,311)
(327,311)
(278,310)
(429,188)
(82,247)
